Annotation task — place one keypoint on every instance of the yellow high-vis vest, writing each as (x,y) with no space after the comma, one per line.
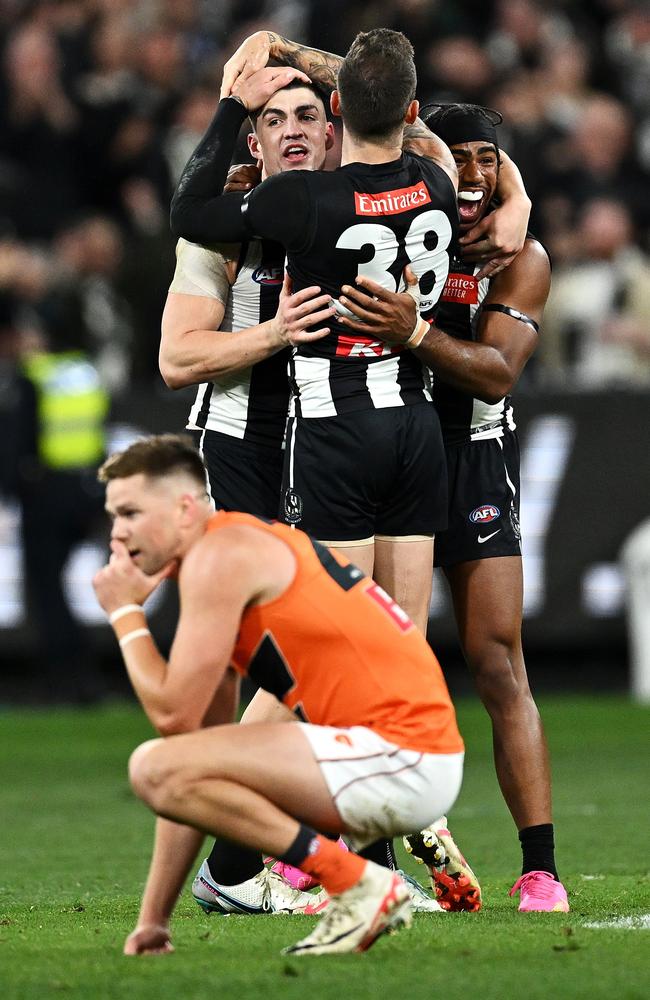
(71,407)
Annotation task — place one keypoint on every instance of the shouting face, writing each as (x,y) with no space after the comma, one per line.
(478,171)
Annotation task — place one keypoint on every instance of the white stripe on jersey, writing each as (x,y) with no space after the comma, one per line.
(228,406)
(384,389)
(312,377)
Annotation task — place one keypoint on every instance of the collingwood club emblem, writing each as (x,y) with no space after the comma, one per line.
(292,506)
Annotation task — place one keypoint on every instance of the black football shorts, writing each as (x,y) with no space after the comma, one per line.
(243,476)
(366,474)
(483,501)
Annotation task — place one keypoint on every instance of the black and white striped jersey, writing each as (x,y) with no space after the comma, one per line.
(370,219)
(252,403)
(362,219)
(462,417)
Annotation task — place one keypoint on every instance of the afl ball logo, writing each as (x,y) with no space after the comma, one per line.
(269,275)
(484,514)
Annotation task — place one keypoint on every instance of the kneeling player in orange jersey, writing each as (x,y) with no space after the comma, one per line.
(377,752)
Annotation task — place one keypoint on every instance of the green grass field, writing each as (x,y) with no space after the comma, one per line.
(74,854)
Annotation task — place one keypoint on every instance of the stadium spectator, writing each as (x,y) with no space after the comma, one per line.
(97,98)
(38,134)
(597,322)
(59,423)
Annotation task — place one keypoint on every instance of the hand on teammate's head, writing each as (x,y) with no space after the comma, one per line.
(255,90)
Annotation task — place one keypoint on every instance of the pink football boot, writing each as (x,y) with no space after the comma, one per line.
(540,892)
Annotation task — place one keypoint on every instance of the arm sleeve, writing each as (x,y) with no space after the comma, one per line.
(199,206)
(279,209)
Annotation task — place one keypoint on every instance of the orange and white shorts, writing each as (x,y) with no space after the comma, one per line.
(379,788)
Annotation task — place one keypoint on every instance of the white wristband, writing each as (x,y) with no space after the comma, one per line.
(130,636)
(418,335)
(126,609)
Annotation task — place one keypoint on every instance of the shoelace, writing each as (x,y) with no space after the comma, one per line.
(334,915)
(537,883)
(414,884)
(263,878)
(289,894)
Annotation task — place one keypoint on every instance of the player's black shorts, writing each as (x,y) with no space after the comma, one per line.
(243,476)
(364,474)
(483,502)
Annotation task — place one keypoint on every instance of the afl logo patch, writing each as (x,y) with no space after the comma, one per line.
(268,275)
(292,506)
(484,514)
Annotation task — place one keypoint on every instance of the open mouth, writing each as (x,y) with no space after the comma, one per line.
(470,205)
(295,153)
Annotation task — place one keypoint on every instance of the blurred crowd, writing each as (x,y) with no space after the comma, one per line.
(102,101)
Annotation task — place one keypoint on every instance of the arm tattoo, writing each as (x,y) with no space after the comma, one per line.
(321,67)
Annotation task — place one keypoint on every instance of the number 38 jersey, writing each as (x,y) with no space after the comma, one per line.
(362,219)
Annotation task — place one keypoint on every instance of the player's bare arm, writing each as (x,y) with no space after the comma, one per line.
(254,54)
(487,368)
(193,349)
(176,694)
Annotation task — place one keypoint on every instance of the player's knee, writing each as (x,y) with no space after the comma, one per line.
(499,672)
(147,770)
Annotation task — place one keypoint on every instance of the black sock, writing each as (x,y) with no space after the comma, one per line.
(381,852)
(231,864)
(299,849)
(538,847)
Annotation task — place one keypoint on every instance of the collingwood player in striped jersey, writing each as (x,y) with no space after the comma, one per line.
(240,411)
(490,330)
(365,463)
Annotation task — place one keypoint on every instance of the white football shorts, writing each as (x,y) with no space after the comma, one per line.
(381,789)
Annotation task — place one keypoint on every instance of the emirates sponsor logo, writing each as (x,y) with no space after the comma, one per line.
(461,288)
(392,202)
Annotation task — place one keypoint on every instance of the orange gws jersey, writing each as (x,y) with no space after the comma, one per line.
(336,649)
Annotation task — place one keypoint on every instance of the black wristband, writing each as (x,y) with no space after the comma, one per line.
(515,313)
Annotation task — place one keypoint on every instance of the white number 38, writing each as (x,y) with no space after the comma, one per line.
(433,263)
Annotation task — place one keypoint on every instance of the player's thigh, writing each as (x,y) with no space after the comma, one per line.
(487,595)
(361,556)
(273,759)
(404,569)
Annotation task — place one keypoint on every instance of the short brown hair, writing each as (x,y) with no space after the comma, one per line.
(155,456)
(376,83)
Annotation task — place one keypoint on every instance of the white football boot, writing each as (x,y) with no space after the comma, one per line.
(354,919)
(266,892)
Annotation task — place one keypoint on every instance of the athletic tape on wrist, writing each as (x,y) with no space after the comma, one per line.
(130,636)
(418,335)
(126,609)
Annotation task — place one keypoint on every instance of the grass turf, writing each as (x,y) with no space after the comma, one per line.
(74,855)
